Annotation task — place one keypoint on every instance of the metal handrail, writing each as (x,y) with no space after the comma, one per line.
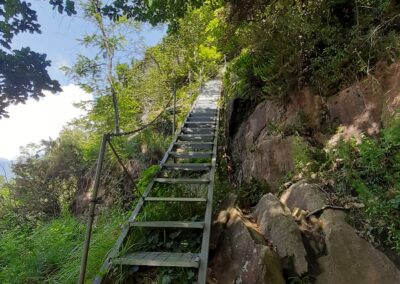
(106,139)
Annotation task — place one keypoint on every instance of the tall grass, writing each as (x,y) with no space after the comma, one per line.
(51,252)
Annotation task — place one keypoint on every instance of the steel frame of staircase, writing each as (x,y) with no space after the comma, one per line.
(199,131)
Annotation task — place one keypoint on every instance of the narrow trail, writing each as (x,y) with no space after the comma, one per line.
(186,176)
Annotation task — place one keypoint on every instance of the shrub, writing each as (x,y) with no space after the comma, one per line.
(370,171)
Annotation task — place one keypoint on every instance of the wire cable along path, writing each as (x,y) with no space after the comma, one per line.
(186,176)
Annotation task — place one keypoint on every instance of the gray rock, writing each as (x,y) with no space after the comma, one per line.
(220,219)
(276,223)
(304,196)
(351,259)
(242,255)
(270,159)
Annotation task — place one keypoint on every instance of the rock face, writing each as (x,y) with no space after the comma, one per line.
(277,224)
(268,160)
(262,144)
(242,256)
(348,258)
(388,77)
(304,196)
(355,262)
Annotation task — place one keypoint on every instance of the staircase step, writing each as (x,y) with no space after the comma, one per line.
(196,137)
(165,259)
(200,119)
(208,111)
(202,112)
(199,126)
(182,180)
(205,115)
(187,166)
(194,145)
(199,123)
(198,130)
(207,99)
(211,106)
(168,224)
(176,199)
(189,155)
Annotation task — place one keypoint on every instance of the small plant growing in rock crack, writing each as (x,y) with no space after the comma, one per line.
(169,276)
(250,193)
(300,280)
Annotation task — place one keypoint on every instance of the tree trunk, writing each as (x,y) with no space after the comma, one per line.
(116,111)
(110,55)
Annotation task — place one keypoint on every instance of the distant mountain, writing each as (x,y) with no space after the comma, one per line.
(5,168)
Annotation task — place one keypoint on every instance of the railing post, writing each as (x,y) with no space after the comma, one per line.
(92,208)
(174,111)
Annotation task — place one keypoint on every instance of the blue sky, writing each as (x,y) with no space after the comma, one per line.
(34,120)
(60,33)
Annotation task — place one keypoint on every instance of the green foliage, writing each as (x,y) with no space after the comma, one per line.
(306,158)
(145,177)
(48,175)
(169,276)
(280,46)
(250,193)
(370,171)
(23,72)
(239,78)
(96,75)
(300,280)
(154,12)
(51,252)
(143,88)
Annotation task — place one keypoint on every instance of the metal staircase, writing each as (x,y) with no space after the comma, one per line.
(193,152)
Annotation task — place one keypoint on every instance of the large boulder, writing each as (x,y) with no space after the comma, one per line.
(389,78)
(276,223)
(347,258)
(306,106)
(220,219)
(242,255)
(269,160)
(351,259)
(303,195)
(261,145)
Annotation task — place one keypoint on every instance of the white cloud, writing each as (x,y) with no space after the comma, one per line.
(38,120)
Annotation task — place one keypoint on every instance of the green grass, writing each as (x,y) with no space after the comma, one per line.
(51,252)
(369,171)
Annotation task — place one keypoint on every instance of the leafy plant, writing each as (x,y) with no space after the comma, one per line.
(250,193)
(369,170)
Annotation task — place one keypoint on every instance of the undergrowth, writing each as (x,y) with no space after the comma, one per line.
(370,171)
(277,47)
(51,251)
(365,171)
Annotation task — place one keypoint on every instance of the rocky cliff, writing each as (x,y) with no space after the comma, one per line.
(299,236)
(262,145)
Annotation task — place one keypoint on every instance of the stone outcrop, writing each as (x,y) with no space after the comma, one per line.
(304,196)
(351,259)
(389,78)
(241,255)
(278,226)
(268,160)
(348,258)
(261,143)
(263,146)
